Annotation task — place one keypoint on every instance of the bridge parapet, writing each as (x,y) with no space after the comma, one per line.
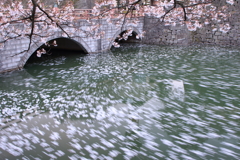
(85,13)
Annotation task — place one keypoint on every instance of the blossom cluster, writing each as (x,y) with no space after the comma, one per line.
(193,14)
(17,21)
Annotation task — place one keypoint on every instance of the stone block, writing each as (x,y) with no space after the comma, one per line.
(218,33)
(175,41)
(231,35)
(215,37)
(12,65)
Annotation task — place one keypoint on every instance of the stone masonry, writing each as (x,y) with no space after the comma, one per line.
(13,56)
(207,35)
(159,34)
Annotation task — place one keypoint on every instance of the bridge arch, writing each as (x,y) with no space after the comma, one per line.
(118,32)
(81,43)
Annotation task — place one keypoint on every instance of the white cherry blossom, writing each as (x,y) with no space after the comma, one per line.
(169,12)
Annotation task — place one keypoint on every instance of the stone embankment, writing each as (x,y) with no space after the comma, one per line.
(210,34)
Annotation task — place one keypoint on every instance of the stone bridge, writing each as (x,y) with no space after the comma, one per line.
(156,33)
(13,56)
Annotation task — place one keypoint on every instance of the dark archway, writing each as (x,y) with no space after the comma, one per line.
(130,44)
(55,48)
(133,38)
(126,36)
(120,40)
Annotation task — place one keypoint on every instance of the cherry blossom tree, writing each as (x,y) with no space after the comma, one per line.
(193,14)
(31,22)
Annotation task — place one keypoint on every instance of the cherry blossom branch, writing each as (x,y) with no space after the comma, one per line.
(15,21)
(175,6)
(32,18)
(58,25)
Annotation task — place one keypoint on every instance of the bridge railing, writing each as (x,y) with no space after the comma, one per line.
(85,13)
(88,13)
(82,13)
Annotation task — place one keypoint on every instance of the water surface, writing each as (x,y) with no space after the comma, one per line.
(136,102)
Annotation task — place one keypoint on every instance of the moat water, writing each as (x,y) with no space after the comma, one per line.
(135,102)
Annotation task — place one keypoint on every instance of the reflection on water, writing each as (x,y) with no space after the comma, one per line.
(136,102)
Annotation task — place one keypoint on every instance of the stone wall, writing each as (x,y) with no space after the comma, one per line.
(84,4)
(159,34)
(11,56)
(207,35)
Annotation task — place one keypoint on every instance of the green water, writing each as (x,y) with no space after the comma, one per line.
(135,102)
